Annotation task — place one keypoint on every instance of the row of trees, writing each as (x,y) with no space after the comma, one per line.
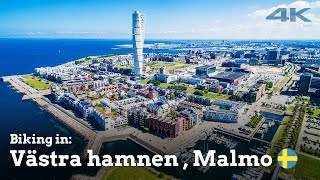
(154,82)
(297,127)
(284,135)
(178,87)
(246,98)
(255,121)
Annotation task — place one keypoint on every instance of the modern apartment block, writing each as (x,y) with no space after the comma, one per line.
(257,91)
(224,111)
(167,127)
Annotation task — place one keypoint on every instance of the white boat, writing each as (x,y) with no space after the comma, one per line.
(246,175)
(237,177)
(250,173)
(257,151)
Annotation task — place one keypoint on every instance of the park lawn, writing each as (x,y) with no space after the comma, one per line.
(291,108)
(216,96)
(275,90)
(281,85)
(144,81)
(36,83)
(124,67)
(179,66)
(190,90)
(283,82)
(171,65)
(316,112)
(164,85)
(307,168)
(281,131)
(130,173)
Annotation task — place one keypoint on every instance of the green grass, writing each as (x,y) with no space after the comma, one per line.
(291,108)
(275,90)
(217,96)
(256,119)
(144,81)
(190,90)
(124,67)
(130,173)
(99,105)
(316,112)
(179,66)
(36,82)
(171,65)
(281,84)
(282,132)
(164,85)
(307,168)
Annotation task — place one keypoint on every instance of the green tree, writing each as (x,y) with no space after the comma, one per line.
(173,114)
(269,84)
(199,93)
(154,82)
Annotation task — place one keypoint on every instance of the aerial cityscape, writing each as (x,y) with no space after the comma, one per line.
(174,96)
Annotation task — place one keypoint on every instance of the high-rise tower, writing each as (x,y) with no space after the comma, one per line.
(138,40)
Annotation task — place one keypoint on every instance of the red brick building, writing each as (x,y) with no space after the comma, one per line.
(167,127)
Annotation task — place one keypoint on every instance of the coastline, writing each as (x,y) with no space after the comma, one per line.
(66,118)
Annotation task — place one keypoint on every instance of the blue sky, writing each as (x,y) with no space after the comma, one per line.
(165,19)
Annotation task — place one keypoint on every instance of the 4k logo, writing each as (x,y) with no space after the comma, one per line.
(294,14)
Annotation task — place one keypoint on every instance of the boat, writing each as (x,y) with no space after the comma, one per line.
(191,160)
(234,144)
(203,169)
(185,157)
(253,171)
(271,123)
(250,173)
(218,141)
(246,175)
(237,177)
(261,149)
(257,151)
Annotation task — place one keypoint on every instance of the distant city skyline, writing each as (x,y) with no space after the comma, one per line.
(179,19)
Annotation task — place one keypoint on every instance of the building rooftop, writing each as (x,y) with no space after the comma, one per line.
(229,76)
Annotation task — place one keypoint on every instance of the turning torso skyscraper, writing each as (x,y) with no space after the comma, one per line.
(138,40)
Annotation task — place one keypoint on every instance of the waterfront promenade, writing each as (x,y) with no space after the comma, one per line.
(78,125)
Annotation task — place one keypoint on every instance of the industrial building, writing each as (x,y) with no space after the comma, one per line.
(231,77)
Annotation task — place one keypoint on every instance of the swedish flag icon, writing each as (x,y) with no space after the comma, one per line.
(287,158)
